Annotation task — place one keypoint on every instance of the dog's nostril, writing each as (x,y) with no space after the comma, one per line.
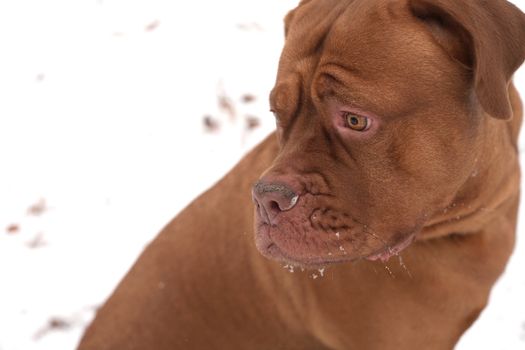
(274,206)
(281,203)
(273,198)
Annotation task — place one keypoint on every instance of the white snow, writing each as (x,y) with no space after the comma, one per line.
(290,268)
(101,126)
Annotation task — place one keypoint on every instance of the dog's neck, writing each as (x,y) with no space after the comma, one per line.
(493,182)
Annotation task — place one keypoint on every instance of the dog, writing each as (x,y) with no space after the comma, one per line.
(390,190)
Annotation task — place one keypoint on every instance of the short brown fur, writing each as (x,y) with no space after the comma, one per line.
(438,166)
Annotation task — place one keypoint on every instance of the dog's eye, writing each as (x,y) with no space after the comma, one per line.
(356,122)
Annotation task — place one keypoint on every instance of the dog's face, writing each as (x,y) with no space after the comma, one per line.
(379,124)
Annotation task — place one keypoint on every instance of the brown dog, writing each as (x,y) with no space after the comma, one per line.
(394,135)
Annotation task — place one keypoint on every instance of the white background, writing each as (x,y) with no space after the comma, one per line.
(101,126)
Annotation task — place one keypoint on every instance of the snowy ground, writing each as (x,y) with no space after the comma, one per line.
(106,106)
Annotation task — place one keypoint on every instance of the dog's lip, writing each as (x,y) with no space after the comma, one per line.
(270,248)
(308,263)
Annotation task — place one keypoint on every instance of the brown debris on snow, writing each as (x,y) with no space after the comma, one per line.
(252,122)
(152,26)
(37,242)
(53,324)
(13,229)
(210,124)
(226,105)
(248,98)
(38,208)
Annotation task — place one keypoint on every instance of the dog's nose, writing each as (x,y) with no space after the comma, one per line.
(273,198)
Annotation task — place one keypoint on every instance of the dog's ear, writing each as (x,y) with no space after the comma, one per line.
(488,36)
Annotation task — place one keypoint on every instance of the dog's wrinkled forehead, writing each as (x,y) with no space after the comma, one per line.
(392,41)
(369,47)
(368,33)
(312,23)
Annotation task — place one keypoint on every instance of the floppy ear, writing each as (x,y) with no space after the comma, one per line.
(488,36)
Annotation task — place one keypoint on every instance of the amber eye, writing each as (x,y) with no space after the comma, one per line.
(356,122)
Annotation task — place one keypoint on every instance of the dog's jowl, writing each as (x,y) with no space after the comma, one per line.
(390,187)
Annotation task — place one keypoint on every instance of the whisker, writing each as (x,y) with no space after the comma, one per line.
(386,246)
(371,232)
(389,271)
(402,264)
(367,230)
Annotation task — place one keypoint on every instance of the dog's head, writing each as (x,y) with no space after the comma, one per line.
(381,110)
